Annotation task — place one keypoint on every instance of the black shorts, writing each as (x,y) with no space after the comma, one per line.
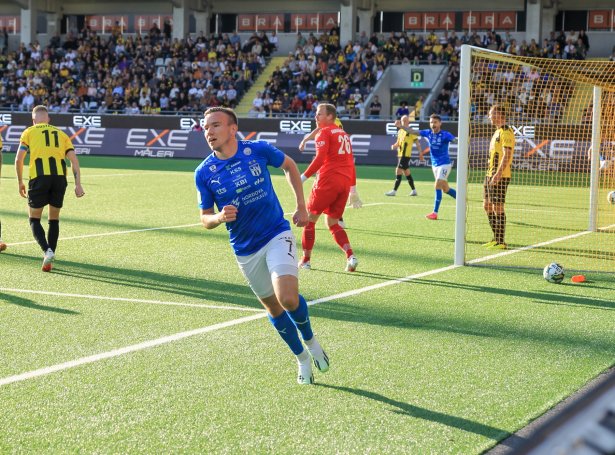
(47,190)
(404,162)
(495,194)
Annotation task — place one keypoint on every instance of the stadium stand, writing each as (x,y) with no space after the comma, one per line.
(152,74)
(155,74)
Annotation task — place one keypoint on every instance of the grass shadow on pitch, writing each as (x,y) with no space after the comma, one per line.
(27,303)
(541,297)
(422,314)
(91,275)
(406,236)
(410,410)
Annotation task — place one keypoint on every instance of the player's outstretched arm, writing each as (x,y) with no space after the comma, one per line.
(407,129)
(300,216)
(309,137)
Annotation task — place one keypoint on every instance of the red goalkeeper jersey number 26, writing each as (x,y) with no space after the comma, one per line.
(334,160)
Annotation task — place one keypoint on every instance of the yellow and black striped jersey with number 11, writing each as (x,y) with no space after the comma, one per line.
(48,146)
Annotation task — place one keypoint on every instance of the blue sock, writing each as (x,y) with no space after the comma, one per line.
(287,331)
(452,193)
(301,319)
(436,206)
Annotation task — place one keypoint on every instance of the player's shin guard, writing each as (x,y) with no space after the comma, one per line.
(301,319)
(53,233)
(452,193)
(341,238)
(308,238)
(397,182)
(437,201)
(39,233)
(410,181)
(287,331)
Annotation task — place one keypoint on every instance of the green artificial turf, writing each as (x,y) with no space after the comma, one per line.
(451,361)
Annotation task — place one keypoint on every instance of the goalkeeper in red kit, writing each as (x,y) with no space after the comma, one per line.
(334,163)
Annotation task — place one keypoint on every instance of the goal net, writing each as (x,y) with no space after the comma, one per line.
(562,114)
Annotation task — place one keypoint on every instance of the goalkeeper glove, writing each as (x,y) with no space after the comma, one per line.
(353,198)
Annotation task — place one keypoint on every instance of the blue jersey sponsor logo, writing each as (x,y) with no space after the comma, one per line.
(244,182)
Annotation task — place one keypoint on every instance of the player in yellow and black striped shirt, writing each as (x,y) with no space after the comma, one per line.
(403,145)
(2,244)
(498,176)
(48,147)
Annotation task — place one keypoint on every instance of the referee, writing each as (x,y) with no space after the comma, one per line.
(48,147)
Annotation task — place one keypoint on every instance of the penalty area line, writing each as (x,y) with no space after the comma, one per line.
(182,335)
(125,299)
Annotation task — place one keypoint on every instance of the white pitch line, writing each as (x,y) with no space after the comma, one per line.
(179,336)
(125,350)
(123,174)
(124,299)
(190,333)
(105,234)
(536,245)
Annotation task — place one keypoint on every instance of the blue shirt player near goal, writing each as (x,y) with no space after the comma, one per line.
(439,141)
(235,179)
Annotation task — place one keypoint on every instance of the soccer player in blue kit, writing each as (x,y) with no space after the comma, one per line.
(235,178)
(440,159)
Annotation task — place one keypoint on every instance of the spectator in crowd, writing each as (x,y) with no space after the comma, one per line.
(4,41)
(87,69)
(402,110)
(375,107)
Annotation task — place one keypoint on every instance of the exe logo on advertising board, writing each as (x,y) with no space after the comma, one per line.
(391,129)
(87,121)
(295,126)
(6,119)
(84,140)
(189,123)
(148,142)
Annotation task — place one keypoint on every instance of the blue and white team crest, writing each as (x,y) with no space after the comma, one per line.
(247,151)
(212,168)
(255,169)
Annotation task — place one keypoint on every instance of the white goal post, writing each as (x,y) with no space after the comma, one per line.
(562,114)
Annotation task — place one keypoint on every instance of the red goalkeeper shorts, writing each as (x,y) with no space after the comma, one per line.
(329,198)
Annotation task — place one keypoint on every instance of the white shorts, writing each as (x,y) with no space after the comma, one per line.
(277,258)
(442,172)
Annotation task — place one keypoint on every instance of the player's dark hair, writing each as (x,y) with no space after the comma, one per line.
(435,116)
(228,111)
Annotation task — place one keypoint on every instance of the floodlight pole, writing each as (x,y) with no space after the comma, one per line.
(463,146)
(595,161)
